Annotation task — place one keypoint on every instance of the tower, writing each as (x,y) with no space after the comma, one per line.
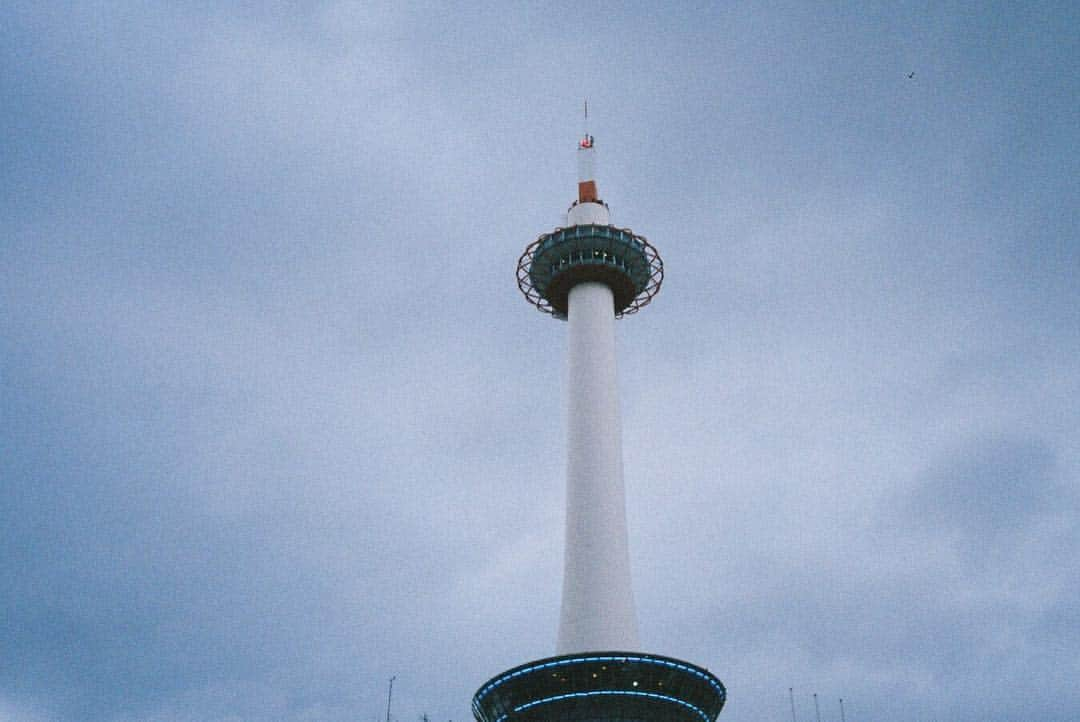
(589,273)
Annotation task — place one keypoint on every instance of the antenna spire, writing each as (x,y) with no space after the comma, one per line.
(587,139)
(586,165)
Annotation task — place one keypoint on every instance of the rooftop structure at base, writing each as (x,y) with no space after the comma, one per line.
(589,273)
(601,686)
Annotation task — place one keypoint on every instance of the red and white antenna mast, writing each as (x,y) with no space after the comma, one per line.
(588,208)
(586,165)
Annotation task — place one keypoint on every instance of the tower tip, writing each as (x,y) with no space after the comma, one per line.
(586,140)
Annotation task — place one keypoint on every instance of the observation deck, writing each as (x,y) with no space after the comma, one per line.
(557,261)
(602,686)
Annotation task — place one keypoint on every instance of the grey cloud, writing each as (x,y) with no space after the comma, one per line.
(277,426)
(990,489)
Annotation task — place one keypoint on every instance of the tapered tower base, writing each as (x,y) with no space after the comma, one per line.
(602,686)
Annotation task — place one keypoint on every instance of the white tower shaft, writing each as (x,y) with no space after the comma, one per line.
(598,602)
(590,272)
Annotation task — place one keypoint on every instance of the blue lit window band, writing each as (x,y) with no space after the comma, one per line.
(608,692)
(578,660)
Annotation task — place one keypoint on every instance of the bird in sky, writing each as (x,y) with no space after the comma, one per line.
(911,74)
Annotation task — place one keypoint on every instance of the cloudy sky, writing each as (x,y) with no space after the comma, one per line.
(276,424)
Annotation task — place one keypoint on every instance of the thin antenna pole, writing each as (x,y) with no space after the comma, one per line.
(791,694)
(817,710)
(842,717)
(389,696)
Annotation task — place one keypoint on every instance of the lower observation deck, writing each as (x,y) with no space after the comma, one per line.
(602,686)
(557,261)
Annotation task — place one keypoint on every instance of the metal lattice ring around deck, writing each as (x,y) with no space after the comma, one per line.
(557,261)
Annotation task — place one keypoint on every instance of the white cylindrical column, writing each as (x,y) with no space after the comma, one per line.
(598,601)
